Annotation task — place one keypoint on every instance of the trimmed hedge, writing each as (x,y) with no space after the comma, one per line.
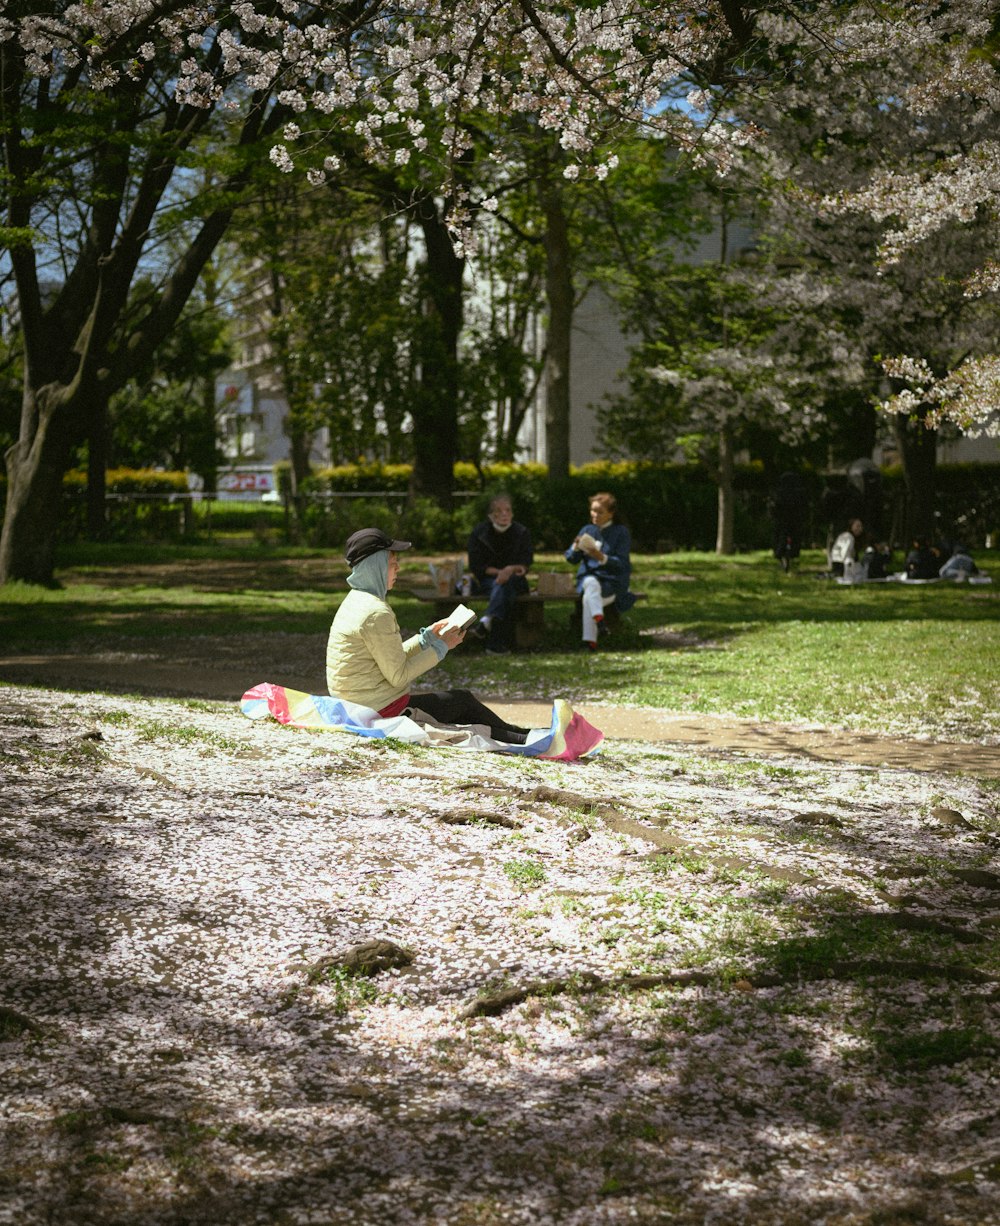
(667,507)
(142,503)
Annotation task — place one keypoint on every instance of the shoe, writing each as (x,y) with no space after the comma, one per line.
(590,645)
(498,651)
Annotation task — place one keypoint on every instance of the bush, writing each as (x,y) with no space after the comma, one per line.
(423,520)
(666,506)
(329,522)
(142,503)
(967,500)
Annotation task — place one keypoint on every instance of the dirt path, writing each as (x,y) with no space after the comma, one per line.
(210,675)
(746,735)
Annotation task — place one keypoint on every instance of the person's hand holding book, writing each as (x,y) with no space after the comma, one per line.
(453,627)
(589,546)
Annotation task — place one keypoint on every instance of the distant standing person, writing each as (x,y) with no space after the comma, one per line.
(789,508)
(602,550)
(500,555)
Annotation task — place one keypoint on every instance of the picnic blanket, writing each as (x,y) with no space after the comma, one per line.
(903,577)
(567,738)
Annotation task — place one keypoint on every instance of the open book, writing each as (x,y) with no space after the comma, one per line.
(460,618)
(590,543)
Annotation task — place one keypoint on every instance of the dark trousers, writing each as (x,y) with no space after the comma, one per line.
(463,707)
(500,607)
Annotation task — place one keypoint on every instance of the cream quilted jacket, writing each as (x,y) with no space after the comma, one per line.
(367,661)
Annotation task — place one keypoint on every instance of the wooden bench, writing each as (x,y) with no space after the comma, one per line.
(529,611)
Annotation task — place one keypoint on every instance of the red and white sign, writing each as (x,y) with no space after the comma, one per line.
(245,483)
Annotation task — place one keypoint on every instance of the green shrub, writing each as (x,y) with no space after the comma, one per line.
(424,520)
(328,522)
(141,504)
(666,506)
(369,477)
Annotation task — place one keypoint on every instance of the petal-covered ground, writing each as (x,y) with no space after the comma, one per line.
(668,985)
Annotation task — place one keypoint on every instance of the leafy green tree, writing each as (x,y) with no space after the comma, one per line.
(344,292)
(503,353)
(721,353)
(94,185)
(166,414)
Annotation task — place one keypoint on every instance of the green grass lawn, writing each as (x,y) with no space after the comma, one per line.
(736,636)
(721,635)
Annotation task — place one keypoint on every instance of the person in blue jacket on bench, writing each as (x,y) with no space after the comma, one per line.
(602,551)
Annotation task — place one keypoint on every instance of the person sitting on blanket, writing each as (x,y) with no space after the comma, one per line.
(367,661)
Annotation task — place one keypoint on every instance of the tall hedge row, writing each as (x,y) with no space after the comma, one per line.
(667,507)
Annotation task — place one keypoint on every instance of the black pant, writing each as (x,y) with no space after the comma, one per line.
(463,707)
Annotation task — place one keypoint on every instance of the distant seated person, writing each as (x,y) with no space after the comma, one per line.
(367,660)
(500,555)
(876,561)
(959,566)
(602,551)
(848,547)
(923,561)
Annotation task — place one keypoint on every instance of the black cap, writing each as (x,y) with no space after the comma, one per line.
(366,541)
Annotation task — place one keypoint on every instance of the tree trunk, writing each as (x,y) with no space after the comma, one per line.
(80,341)
(209,472)
(559,294)
(300,444)
(35,467)
(97,476)
(724,528)
(435,424)
(918,447)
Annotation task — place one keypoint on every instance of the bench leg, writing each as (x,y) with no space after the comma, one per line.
(529,624)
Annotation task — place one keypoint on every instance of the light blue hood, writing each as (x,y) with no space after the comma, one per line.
(371,575)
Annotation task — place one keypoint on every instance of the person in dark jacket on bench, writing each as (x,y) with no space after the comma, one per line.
(500,554)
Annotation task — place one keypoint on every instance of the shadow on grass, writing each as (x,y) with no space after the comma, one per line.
(310,1119)
(149,1081)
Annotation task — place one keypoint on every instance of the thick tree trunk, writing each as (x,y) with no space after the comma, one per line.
(918,447)
(35,467)
(724,528)
(559,293)
(300,445)
(97,476)
(435,434)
